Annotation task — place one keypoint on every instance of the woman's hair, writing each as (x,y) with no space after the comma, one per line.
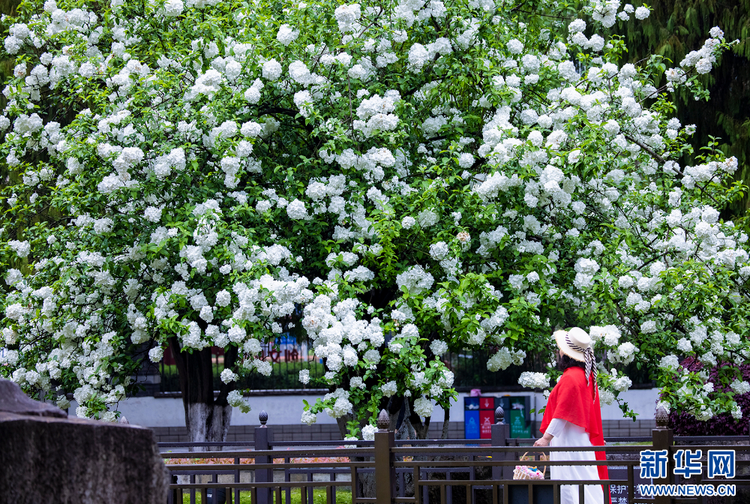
(564,362)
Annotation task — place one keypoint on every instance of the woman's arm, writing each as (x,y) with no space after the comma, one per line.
(554,429)
(544,440)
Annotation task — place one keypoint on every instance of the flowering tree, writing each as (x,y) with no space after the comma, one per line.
(414,176)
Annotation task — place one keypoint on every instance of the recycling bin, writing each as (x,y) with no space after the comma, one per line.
(518,415)
(479,415)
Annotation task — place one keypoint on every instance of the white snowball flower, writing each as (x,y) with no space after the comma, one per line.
(152,214)
(642,12)
(388,389)
(21,248)
(501,360)
(236,400)
(271,70)
(296,210)
(309,418)
(368,432)
(438,347)
(263,367)
(576,26)
(155,354)
(515,46)
(622,384)
(606,397)
(418,56)
(287,34)
(530,379)
(670,361)
(423,407)
(304,376)
(740,387)
(703,66)
(228,376)
(63,402)
(251,129)
(173,8)
(347,16)
(466,160)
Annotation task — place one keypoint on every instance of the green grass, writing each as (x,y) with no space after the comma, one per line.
(343,496)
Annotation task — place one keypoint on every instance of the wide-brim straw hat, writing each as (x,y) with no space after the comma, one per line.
(573,343)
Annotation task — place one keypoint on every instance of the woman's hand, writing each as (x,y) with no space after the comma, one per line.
(541,442)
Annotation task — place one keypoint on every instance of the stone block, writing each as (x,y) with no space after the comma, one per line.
(47,457)
(13,400)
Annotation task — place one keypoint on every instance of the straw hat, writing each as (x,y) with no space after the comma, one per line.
(573,343)
(576,344)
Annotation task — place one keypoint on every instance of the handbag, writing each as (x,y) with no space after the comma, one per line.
(524,472)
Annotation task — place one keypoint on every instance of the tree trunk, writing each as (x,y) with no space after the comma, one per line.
(207,414)
(446,421)
(207,423)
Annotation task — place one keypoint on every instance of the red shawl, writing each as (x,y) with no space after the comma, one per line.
(578,403)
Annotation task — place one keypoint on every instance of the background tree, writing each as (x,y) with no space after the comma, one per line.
(413,177)
(676,27)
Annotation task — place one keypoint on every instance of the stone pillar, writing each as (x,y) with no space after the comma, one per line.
(663,439)
(500,435)
(262,442)
(385,472)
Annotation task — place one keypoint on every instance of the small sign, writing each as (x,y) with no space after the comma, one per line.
(518,426)
(619,492)
(485,420)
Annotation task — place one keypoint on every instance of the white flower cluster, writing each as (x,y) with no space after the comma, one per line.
(622,384)
(504,358)
(287,34)
(423,407)
(609,335)
(340,403)
(740,387)
(532,380)
(606,397)
(236,400)
(347,17)
(704,58)
(415,280)
(624,354)
(368,432)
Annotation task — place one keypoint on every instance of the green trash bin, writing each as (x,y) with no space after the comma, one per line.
(518,415)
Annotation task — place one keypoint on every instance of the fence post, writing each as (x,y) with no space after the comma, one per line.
(385,472)
(263,443)
(663,438)
(500,435)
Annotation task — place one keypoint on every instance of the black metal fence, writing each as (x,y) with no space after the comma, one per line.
(453,471)
(286,365)
(287,360)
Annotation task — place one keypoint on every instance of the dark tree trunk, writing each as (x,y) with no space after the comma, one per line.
(207,415)
(446,421)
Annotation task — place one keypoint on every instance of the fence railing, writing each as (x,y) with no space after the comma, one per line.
(455,471)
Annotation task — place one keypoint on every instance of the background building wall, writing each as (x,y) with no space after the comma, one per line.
(166,416)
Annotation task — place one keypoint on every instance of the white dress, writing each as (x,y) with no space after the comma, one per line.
(570,434)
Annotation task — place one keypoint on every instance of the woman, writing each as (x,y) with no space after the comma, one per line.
(573,417)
